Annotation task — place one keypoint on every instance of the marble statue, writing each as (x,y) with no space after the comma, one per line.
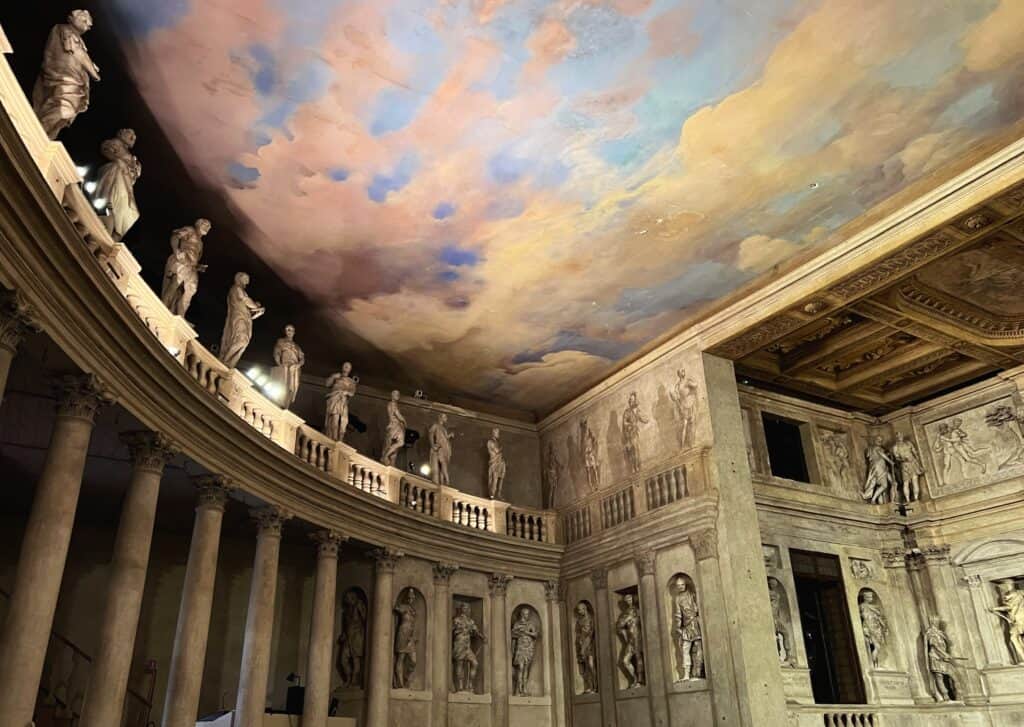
(908,467)
(61,92)
(464,656)
(940,661)
(440,440)
(837,457)
(242,311)
(591,463)
(525,636)
(116,183)
(632,418)
(874,625)
(340,388)
(552,473)
(289,360)
(352,641)
(686,633)
(394,434)
(779,620)
(586,660)
(181,273)
(405,640)
(952,445)
(879,479)
(495,465)
(684,395)
(631,657)
(1011,610)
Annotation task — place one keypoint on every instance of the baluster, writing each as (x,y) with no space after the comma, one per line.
(681,482)
(510,523)
(541,530)
(616,509)
(487,519)
(431,503)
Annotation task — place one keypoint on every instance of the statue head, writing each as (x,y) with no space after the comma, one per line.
(203,226)
(633,399)
(627,602)
(443,419)
(957,421)
(410,596)
(289,331)
(935,622)
(463,609)
(80,20)
(681,373)
(127,136)
(524,614)
(581,610)
(1005,586)
(869,596)
(241,279)
(495,433)
(350,598)
(346,368)
(681,585)
(395,396)
(878,440)
(899,437)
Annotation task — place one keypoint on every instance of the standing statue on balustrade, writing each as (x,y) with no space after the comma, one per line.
(116,183)
(440,440)
(181,273)
(464,656)
(631,656)
(525,635)
(632,418)
(394,435)
(879,479)
(287,371)
(242,311)
(340,388)
(495,465)
(61,92)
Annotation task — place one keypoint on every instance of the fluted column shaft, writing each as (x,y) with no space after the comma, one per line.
(498,584)
(653,662)
(188,658)
(44,551)
(555,598)
(379,684)
(441,644)
(259,620)
(605,654)
(15,323)
(108,681)
(321,630)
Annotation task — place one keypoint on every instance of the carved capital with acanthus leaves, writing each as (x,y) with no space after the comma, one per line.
(213,491)
(327,542)
(269,520)
(497,584)
(150,450)
(17,320)
(81,396)
(443,573)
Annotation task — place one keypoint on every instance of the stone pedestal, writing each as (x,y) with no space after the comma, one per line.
(321,630)
(556,606)
(650,615)
(259,619)
(498,587)
(604,626)
(378,685)
(108,681)
(44,550)
(441,645)
(185,673)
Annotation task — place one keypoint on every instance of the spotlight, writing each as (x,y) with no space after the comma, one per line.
(173,350)
(425,469)
(419,394)
(100,203)
(81,170)
(252,373)
(90,187)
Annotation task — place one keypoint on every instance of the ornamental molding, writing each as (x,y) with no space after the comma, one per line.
(896,265)
(554,591)
(922,299)
(599,577)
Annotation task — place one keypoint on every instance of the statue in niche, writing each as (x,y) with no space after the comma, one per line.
(464,630)
(352,641)
(525,635)
(394,435)
(405,640)
(879,478)
(632,418)
(686,633)
(289,360)
(1011,610)
(61,91)
(341,387)
(1004,419)
(837,455)
(242,311)
(181,273)
(684,395)
(116,183)
(585,657)
(952,445)
(495,465)
(552,473)
(908,467)
(591,463)
(631,658)
(874,625)
(440,449)
(940,661)
(779,619)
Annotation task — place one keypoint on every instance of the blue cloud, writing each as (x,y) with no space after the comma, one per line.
(506,168)
(394,109)
(454,255)
(448,276)
(338,174)
(384,184)
(444,210)
(568,340)
(264,75)
(704,281)
(242,174)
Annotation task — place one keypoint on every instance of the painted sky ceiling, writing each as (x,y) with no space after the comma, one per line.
(510,196)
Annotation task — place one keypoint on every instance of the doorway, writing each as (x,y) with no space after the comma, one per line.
(828,636)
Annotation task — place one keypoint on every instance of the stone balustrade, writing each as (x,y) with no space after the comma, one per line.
(535,525)
(419,495)
(832,715)
(315,449)
(207,369)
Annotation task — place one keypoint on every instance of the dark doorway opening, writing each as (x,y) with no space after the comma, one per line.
(785,440)
(828,636)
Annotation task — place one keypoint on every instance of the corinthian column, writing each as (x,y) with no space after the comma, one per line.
(379,684)
(259,619)
(498,587)
(555,593)
(441,657)
(104,699)
(321,630)
(605,656)
(185,674)
(44,551)
(653,662)
(15,323)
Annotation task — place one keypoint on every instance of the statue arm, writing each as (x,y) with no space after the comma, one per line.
(330,379)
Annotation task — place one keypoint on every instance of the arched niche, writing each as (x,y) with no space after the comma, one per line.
(350,661)
(687,629)
(584,648)
(410,647)
(783,621)
(469,658)
(874,626)
(527,652)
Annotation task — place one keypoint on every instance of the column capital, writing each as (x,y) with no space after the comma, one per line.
(386,558)
(150,450)
(894,557)
(554,590)
(80,396)
(443,573)
(938,553)
(327,542)
(599,577)
(704,544)
(645,561)
(213,491)
(269,519)
(497,583)
(17,320)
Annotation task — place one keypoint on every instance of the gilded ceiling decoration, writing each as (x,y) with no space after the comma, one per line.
(512,196)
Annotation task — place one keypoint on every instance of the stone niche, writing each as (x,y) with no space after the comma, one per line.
(584,649)
(410,609)
(534,708)
(476,612)
(622,678)
(356,578)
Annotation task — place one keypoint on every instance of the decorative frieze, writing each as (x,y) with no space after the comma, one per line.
(645,562)
(895,265)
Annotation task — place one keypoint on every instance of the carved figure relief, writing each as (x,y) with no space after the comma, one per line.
(631,653)
(583,638)
(1004,420)
(837,457)
(591,456)
(940,661)
(879,481)
(496,466)
(525,638)
(61,91)
(406,638)
(552,473)
(464,656)
(440,440)
(781,620)
(874,625)
(909,469)
(632,419)
(352,641)
(1011,611)
(394,434)
(116,183)
(242,311)
(687,636)
(288,362)
(684,396)
(952,444)
(340,388)
(860,569)
(181,273)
